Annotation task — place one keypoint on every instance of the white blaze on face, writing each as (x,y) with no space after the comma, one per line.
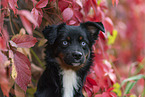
(70,82)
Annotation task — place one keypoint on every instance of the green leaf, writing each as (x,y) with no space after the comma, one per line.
(129,86)
(141,66)
(31,91)
(134,78)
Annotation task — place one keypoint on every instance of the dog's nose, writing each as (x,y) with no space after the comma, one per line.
(77,55)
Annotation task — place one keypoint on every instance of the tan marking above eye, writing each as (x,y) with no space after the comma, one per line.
(68,38)
(81,38)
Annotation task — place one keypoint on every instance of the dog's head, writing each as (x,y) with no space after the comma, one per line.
(72,44)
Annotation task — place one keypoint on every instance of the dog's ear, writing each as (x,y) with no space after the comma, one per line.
(51,32)
(93,28)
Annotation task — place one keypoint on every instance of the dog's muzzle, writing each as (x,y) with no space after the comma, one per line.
(77,55)
(74,58)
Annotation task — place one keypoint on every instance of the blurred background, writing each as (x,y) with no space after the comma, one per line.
(119,63)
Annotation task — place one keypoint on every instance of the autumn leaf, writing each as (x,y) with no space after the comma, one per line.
(67,14)
(111,38)
(24,41)
(37,14)
(4,82)
(27,18)
(41,3)
(3,78)
(4,3)
(2,43)
(3,59)
(108,24)
(62,5)
(117,89)
(91,81)
(14,72)
(23,70)
(113,1)
(13,5)
(22,31)
(26,24)
(18,91)
(78,15)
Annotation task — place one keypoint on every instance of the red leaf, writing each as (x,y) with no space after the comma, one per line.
(87,6)
(99,14)
(37,14)
(72,22)
(3,59)
(91,81)
(28,16)
(1,21)
(2,43)
(113,94)
(79,16)
(67,14)
(113,1)
(89,92)
(4,3)
(110,89)
(63,5)
(4,82)
(103,35)
(77,6)
(98,95)
(23,69)
(3,77)
(108,24)
(106,94)
(13,5)
(24,41)
(96,89)
(26,24)
(41,3)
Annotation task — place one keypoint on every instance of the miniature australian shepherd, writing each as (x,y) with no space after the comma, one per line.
(68,59)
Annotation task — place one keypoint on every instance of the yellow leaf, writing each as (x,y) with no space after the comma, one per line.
(14,72)
(98,2)
(116,86)
(22,31)
(132,96)
(117,89)
(42,42)
(111,38)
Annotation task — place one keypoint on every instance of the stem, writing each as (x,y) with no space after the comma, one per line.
(132,65)
(143,94)
(37,58)
(11,24)
(56,15)
(140,67)
(37,33)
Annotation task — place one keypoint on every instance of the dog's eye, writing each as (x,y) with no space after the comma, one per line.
(65,43)
(83,43)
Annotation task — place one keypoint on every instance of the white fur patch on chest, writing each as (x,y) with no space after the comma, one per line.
(70,82)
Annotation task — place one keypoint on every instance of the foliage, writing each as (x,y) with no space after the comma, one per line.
(119,53)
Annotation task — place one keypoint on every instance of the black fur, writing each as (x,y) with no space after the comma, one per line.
(70,44)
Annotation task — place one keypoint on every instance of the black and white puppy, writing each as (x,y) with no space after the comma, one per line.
(68,59)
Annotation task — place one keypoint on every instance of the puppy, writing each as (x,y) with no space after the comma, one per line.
(68,59)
